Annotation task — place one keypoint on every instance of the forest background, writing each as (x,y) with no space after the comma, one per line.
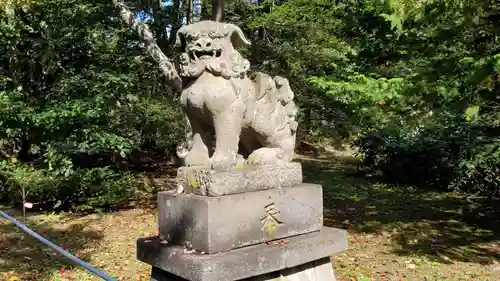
(413,86)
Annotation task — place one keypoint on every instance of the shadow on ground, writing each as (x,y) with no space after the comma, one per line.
(23,254)
(437,225)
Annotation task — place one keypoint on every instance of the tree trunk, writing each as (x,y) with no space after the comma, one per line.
(176,22)
(166,66)
(254,53)
(160,24)
(24,152)
(189,12)
(218,10)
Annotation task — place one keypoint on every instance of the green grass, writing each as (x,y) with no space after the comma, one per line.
(395,233)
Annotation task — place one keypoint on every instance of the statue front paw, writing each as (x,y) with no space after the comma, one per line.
(221,161)
(266,156)
(197,159)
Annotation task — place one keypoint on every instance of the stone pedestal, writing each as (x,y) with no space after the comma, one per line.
(274,233)
(266,260)
(245,178)
(312,271)
(214,224)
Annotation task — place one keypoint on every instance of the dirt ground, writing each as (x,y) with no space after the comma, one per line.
(395,233)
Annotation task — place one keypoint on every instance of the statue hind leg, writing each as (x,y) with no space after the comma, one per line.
(279,149)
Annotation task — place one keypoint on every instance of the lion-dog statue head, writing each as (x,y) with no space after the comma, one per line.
(211,46)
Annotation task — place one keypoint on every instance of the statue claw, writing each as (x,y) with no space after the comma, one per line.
(222,161)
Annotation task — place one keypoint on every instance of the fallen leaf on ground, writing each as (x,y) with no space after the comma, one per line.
(411,266)
(277,243)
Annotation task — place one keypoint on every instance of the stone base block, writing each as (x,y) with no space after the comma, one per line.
(204,181)
(320,270)
(214,224)
(254,261)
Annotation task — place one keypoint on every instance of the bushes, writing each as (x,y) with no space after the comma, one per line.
(83,190)
(449,155)
(421,157)
(481,173)
(100,188)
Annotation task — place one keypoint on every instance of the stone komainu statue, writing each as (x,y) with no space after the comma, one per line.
(249,119)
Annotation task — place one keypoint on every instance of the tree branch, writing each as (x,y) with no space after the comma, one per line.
(166,66)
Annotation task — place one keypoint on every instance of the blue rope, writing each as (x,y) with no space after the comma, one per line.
(56,248)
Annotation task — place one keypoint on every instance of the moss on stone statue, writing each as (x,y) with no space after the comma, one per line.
(192,181)
(240,165)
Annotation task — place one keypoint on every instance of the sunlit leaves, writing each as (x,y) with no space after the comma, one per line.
(496,63)
(394,20)
(472,113)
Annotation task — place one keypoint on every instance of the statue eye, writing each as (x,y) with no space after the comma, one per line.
(191,37)
(217,34)
(213,34)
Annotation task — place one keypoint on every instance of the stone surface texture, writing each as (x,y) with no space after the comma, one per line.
(205,181)
(213,224)
(247,262)
(320,270)
(252,119)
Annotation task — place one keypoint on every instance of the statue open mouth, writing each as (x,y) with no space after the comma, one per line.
(201,55)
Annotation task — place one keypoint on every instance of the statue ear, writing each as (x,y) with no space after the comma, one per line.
(280,81)
(238,39)
(180,40)
(264,84)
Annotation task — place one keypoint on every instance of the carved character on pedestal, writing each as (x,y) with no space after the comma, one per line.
(253,119)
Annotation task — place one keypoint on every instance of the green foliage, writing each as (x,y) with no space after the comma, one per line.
(74,87)
(299,39)
(413,83)
(438,125)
